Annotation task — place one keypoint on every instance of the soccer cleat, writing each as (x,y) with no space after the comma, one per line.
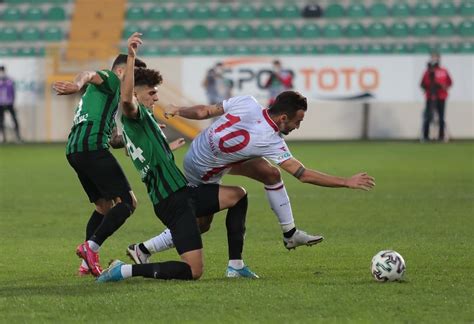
(83,271)
(301,238)
(112,273)
(92,258)
(134,252)
(245,272)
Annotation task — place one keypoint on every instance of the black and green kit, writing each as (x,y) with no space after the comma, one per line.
(94,118)
(152,156)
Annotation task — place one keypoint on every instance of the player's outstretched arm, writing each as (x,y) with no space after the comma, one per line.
(358,181)
(176,144)
(127,99)
(68,87)
(195,112)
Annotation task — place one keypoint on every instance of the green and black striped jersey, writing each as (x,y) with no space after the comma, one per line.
(151,155)
(94,118)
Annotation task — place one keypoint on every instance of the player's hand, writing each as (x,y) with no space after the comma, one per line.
(361,181)
(162,126)
(133,42)
(176,144)
(171,111)
(65,88)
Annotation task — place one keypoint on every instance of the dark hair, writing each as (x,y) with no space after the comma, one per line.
(288,102)
(2,68)
(122,59)
(276,62)
(147,77)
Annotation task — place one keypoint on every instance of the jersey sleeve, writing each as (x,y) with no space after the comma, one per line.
(241,103)
(111,82)
(276,150)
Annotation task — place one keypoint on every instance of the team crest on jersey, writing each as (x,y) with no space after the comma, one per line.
(284,156)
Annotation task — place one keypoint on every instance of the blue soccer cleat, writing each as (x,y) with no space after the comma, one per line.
(245,272)
(112,273)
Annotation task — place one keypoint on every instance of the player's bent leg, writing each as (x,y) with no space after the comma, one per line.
(204,223)
(229,196)
(195,261)
(258,169)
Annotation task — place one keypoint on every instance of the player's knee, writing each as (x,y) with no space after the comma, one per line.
(128,200)
(241,193)
(272,175)
(204,224)
(103,206)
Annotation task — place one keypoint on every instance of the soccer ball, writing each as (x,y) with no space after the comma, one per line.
(388,265)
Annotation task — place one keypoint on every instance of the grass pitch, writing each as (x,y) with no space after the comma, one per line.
(422,207)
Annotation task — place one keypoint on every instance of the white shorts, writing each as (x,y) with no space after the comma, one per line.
(197,173)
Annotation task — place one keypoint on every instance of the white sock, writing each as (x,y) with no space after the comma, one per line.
(236,264)
(126,271)
(94,246)
(280,204)
(159,243)
(84,264)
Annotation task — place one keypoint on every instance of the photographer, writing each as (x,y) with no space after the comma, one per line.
(435,83)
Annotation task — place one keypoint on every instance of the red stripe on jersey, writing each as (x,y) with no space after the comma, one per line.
(218,170)
(277,188)
(269,120)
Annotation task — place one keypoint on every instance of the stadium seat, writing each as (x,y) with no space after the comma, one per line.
(135,13)
(7,51)
(221,32)
(174,51)
(467,8)
(445,29)
(11,14)
(202,12)
(355,49)
(445,9)
(268,12)
(466,48)
(287,50)
(334,11)
(56,14)
(199,32)
(243,50)
(332,31)
(401,9)
(377,30)
(53,34)
(30,34)
(263,50)
(265,31)
(310,31)
(8,34)
(27,51)
(130,29)
(355,30)
(379,10)
(309,49)
(401,48)
(197,50)
(33,14)
(246,12)
(466,28)
(446,48)
(290,11)
(356,10)
(243,31)
(421,48)
(288,31)
(158,13)
(224,12)
(217,50)
(422,29)
(332,49)
(400,30)
(151,51)
(179,13)
(423,9)
(177,32)
(155,32)
(376,49)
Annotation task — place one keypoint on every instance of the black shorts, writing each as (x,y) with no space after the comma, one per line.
(178,212)
(100,174)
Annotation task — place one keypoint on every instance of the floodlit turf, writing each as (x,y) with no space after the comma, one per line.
(423,207)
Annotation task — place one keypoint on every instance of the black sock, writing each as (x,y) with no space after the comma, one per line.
(290,233)
(112,222)
(163,270)
(143,248)
(235,223)
(93,223)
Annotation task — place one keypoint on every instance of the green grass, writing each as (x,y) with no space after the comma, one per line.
(423,207)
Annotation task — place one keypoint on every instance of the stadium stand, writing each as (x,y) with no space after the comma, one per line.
(261,27)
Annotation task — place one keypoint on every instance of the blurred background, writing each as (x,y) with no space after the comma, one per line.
(360,63)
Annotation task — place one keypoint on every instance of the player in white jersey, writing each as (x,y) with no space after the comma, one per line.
(239,143)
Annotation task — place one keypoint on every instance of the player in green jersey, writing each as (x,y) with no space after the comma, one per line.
(87,152)
(175,203)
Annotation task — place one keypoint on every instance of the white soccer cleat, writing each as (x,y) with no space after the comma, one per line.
(301,238)
(134,252)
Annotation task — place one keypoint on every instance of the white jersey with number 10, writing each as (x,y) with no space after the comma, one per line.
(243,132)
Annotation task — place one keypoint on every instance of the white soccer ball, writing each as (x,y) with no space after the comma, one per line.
(388,265)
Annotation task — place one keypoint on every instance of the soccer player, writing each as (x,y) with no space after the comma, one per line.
(239,143)
(87,152)
(175,203)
